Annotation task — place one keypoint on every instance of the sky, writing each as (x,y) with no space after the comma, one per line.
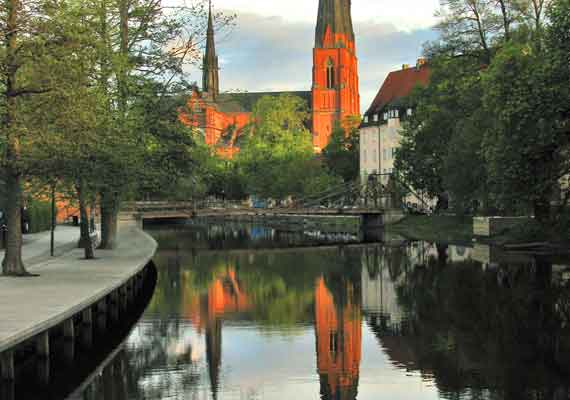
(270,48)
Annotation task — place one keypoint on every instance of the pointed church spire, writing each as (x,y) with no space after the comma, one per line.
(210,78)
(335,18)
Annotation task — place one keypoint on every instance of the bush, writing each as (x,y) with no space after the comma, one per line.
(39,214)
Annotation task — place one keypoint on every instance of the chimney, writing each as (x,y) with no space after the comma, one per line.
(405,66)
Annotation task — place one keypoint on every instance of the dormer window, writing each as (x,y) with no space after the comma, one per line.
(330,74)
(366,119)
(375,117)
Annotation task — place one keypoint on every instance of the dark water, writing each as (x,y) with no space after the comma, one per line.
(241,313)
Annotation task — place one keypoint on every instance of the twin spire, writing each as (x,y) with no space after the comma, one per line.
(335,17)
(210,78)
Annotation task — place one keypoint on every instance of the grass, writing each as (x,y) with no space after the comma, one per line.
(441,229)
(459,230)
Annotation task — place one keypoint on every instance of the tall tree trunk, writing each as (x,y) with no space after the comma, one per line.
(12,264)
(85,238)
(506,19)
(110,205)
(124,51)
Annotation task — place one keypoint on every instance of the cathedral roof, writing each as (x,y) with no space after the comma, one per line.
(399,84)
(336,15)
(244,102)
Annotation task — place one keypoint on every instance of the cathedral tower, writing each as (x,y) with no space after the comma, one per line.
(335,70)
(210,78)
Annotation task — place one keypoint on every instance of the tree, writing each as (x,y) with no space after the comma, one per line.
(277,158)
(527,146)
(448,105)
(342,153)
(144,40)
(31,38)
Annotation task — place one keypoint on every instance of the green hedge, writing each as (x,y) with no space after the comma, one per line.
(40,216)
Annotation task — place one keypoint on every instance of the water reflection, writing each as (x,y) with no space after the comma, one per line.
(246,315)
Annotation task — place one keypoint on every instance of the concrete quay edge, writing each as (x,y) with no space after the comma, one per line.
(118,278)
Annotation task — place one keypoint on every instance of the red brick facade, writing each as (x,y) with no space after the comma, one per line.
(335,85)
(334,94)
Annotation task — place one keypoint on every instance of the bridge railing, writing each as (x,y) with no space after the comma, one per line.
(179,206)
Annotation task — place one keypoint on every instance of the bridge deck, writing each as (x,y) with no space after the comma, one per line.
(182,214)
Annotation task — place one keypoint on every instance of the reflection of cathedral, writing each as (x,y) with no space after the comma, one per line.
(339,340)
(206,311)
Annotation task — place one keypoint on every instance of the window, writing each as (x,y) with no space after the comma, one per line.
(410,112)
(375,117)
(366,119)
(330,74)
(333,342)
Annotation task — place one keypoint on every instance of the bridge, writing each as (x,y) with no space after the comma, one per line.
(377,202)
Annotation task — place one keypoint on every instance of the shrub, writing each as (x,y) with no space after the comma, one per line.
(39,216)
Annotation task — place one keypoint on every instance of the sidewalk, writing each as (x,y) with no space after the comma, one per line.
(36,247)
(66,285)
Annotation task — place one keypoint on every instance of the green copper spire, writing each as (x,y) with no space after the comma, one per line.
(335,14)
(210,78)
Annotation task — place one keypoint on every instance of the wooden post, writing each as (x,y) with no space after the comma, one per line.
(42,345)
(87,328)
(43,370)
(87,317)
(69,351)
(7,365)
(114,303)
(8,391)
(69,330)
(102,307)
(124,297)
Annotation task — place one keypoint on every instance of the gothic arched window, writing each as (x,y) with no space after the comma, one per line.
(330,74)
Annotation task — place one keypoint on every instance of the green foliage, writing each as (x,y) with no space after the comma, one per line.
(492,125)
(277,159)
(39,213)
(342,153)
(447,106)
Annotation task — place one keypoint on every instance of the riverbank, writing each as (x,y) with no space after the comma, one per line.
(440,229)
(67,286)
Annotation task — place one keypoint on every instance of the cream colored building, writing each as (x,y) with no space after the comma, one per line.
(378,144)
(380,132)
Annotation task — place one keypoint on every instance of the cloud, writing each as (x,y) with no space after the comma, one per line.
(270,53)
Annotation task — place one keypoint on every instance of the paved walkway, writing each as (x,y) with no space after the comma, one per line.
(36,247)
(67,285)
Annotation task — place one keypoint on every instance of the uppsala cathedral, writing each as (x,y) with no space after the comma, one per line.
(334,94)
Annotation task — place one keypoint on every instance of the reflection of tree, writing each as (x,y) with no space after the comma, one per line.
(500,330)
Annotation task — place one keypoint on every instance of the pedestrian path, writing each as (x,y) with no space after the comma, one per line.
(67,284)
(36,247)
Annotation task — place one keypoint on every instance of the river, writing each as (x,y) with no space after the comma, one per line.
(248,312)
